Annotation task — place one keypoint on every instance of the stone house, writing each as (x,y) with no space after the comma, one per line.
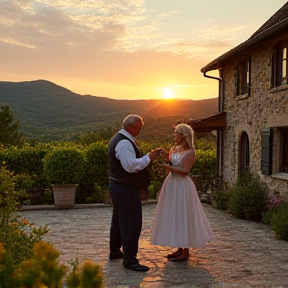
(252,123)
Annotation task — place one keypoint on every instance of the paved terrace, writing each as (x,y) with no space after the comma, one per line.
(244,254)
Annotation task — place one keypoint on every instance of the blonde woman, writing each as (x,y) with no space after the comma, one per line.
(179,219)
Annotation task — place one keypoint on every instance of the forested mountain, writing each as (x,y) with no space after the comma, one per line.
(48,112)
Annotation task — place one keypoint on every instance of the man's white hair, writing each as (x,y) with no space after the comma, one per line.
(131,119)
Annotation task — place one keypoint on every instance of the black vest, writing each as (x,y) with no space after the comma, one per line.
(118,174)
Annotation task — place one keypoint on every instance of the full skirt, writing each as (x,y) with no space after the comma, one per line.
(179,219)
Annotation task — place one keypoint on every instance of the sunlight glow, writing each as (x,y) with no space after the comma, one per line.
(168,93)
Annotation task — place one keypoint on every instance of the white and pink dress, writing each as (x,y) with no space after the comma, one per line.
(179,219)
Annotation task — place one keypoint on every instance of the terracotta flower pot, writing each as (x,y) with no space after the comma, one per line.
(64,195)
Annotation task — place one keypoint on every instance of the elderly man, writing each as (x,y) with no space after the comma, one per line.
(128,174)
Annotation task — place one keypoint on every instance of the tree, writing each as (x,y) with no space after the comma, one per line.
(96,136)
(9,129)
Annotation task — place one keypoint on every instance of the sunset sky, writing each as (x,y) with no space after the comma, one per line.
(125,49)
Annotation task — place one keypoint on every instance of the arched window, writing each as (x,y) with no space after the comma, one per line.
(244,155)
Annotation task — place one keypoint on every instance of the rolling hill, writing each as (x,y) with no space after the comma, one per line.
(48,112)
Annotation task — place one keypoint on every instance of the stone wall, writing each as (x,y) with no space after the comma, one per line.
(262,108)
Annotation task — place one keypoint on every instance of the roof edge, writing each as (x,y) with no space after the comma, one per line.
(250,42)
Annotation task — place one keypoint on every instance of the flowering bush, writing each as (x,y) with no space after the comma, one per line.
(89,275)
(17,236)
(43,270)
(279,221)
(26,261)
(276,216)
(273,203)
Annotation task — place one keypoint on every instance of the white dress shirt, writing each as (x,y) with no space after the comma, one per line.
(125,152)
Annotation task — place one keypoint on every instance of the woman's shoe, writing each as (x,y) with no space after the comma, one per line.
(183,257)
(175,254)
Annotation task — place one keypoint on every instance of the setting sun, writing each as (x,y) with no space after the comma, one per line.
(168,93)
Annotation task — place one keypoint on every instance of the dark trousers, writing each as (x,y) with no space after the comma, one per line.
(126,223)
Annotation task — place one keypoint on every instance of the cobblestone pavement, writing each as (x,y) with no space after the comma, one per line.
(244,254)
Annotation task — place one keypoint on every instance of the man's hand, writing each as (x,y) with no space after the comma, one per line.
(153,154)
(164,154)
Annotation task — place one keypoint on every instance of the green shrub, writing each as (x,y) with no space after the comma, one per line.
(27,161)
(97,197)
(273,203)
(153,189)
(151,192)
(221,198)
(157,186)
(26,261)
(42,269)
(80,196)
(279,222)
(23,184)
(47,197)
(206,166)
(221,194)
(157,172)
(8,197)
(7,279)
(268,215)
(96,171)
(89,275)
(248,198)
(98,194)
(64,165)
(17,234)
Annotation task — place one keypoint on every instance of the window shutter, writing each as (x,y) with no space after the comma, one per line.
(266,151)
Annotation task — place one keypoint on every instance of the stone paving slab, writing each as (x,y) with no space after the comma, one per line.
(243,254)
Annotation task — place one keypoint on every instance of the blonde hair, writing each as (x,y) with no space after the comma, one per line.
(187,132)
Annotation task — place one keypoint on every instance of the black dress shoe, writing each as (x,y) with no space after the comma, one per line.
(137,267)
(116,255)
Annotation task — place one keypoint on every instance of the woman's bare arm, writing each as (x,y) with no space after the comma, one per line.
(187,162)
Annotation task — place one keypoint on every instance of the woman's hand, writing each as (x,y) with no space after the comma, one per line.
(165,165)
(170,168)
(165,154)
(155,153)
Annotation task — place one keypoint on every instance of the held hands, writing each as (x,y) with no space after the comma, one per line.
(154,154)
(164,154)
(164,161)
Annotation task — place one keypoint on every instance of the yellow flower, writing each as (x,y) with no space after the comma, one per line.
(25,221)
(45,251)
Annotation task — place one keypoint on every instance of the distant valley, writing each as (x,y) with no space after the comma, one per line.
(48,112)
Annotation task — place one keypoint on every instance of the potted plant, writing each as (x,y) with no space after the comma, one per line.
(64,168)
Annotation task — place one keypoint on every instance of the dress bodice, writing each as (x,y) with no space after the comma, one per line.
(175,158)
